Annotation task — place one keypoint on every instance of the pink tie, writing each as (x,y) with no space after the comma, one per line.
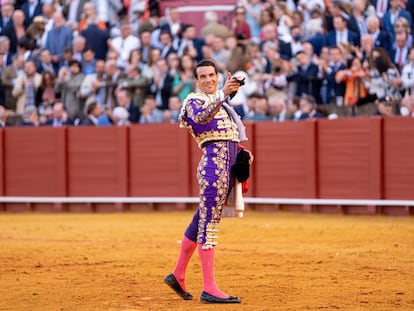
(399,60)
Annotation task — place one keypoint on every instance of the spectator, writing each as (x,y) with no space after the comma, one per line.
(145,39)
(183,80)
(45,94)
(239,27)
(315,36)
(380,38)
(8,80)
(173,25)
(253,13)
(284,21)
(306,77)
(15,31)
(90,17)
(59,37)
(93,112)
(150,68)
(260,109)
(174,107)
(59,117)
(113,76)
(92,87)
(123,98)
(88,61)
(96,38)
(136,84)
(161,85)
(31,8)
(293,110)
(402,25)
(277,84)
(48,11)
(45,63)
(188,38)
(341,33)
(407,106)
(166,40)
(26,86)
(400,52)
(7,10)
(391,16)
(68,84)
(277,109)
(5,51)
(78,46)
(358,16)
(389,72)
(288,49)
(30,116)
(353,76)
(384,107)
(335,90)
(149,112)
(120,116)
(408,74)
(124,44)
(213,27)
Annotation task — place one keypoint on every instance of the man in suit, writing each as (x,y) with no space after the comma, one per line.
(60,117)
(97,39)
(306,77)
(188,37)
(392,15)
(381,38)
(166,40)
(93,111)
(58,38)
(341,33)
(31,8)
(399,54)
(5,51)
(7,10)
(162,85)
(335,91)
(123,98)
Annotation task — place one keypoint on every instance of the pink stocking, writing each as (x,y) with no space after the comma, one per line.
(209,279)
(186,251)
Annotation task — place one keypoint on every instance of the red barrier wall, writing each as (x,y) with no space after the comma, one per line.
(354,158)
(97,161)
(398,158)
(285,159)
(159,157)
(350,158)
(35,162)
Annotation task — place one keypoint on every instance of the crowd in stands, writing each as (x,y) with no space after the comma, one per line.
(119,62)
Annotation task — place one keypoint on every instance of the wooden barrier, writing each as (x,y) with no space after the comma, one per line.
(350,158)
(159,158)
(34,164)
(97,164)
(284,164)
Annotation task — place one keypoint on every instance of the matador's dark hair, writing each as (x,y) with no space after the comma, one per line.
(205,63)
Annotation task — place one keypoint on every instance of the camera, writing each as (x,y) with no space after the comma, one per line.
(241,81)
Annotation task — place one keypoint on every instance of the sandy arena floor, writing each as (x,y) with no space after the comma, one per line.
(273,261)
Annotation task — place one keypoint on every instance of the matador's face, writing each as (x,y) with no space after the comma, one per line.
(206,79)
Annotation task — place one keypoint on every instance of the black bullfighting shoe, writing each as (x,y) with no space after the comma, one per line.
(172,282)
(207,298)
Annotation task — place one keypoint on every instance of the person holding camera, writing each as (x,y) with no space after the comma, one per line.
(217,129)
